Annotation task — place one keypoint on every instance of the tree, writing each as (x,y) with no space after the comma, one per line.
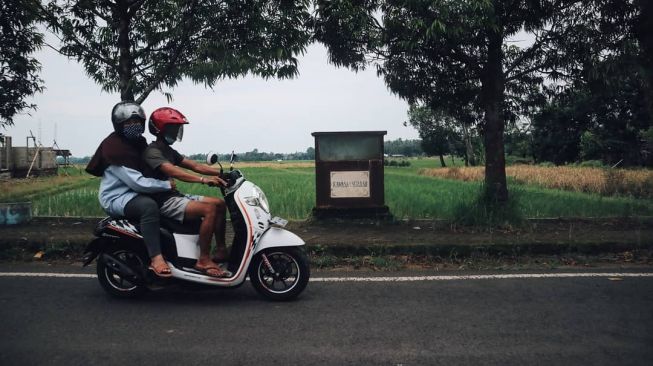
(403,147)
(137,46)
(452,53)
(439,136)
(603,109)
(18,70)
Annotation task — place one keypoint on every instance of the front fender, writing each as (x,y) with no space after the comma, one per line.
(277,237)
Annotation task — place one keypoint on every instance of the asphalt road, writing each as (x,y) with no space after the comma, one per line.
(546,321)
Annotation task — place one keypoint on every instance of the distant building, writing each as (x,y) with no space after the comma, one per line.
(17,161)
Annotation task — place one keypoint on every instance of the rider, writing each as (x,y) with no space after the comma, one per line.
(123,188)
(167,125)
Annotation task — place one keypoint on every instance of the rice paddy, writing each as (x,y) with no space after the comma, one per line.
(411,193)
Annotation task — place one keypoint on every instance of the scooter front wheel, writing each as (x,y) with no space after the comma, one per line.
(280,274)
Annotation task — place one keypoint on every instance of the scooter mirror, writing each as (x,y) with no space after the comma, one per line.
(211,158)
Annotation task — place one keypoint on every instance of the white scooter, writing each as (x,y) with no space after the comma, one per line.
(272,256)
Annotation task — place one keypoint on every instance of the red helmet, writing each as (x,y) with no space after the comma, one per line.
(168,123)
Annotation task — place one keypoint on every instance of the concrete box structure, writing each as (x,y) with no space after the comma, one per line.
(349,180)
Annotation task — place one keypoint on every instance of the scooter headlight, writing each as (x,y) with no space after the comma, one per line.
(258,198)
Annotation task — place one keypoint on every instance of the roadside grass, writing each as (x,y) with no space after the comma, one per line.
(479,260)
(34,188)
(291,192)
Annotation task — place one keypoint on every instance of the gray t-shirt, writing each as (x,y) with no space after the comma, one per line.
(158,153)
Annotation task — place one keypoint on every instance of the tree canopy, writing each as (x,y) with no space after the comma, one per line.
(135,47)
(19,78)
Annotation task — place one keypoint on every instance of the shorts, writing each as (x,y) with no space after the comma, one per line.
(175,207)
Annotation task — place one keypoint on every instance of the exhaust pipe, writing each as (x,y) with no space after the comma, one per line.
(120,267)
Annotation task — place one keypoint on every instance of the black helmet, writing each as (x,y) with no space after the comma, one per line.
(125,111)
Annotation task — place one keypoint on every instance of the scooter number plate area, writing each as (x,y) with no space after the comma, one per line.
(278,221)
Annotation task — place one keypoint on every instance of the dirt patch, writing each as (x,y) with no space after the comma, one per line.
(67,237)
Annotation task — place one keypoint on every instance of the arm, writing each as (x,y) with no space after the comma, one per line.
(178,173)
(137,182)
(199,168)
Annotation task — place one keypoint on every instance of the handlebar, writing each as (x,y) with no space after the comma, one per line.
(231,177)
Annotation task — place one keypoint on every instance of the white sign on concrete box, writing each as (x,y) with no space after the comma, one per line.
(350,184)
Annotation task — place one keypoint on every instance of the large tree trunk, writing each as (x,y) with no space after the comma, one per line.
(125,58)
(493,88)
(643,31)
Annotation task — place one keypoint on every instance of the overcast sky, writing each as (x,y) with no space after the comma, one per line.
(240,115)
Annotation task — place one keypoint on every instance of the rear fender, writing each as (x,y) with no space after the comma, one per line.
(277,237)
(94,248)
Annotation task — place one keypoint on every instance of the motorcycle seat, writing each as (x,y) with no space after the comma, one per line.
(189,227)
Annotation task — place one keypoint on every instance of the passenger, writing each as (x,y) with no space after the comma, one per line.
(167,125)
(123,188)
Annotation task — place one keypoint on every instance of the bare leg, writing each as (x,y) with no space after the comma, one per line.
(220,226)
(204,210)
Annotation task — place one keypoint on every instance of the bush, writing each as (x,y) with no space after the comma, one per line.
(396,163)
(546,164)
(591,164)
(517,160)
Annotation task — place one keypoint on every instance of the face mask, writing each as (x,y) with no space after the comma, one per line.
(169,140)
(133,131)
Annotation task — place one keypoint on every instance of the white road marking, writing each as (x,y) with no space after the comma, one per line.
(477,277)
(388,279)
(55,275)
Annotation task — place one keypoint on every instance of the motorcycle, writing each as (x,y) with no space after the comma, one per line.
(262,249)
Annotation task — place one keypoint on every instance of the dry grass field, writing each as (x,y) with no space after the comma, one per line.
(607,182)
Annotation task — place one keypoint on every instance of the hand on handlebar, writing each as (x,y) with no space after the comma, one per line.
(215,182)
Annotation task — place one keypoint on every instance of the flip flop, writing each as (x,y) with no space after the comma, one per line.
(164,272)
(205,271)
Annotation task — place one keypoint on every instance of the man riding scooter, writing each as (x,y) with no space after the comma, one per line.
(167,125)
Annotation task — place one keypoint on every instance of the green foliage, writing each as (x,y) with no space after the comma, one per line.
(396,163)
(135,47)
(590,146)
(591,164)
(403,147)
(486,211)
(19,78)
(438,131)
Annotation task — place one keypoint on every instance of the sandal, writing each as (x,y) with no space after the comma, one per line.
(221,273)
(163,271)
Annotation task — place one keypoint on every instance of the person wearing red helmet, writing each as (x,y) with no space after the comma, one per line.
(167,124)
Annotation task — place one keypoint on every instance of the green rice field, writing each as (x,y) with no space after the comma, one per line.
(291,192)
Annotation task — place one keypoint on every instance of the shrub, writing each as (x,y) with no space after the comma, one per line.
(591,164)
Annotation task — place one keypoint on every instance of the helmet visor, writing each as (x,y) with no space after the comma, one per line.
(174,132)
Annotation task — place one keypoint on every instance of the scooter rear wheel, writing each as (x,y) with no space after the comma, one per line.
(116,284)
(285,275)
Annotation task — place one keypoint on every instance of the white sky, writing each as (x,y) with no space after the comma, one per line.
(240,115)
